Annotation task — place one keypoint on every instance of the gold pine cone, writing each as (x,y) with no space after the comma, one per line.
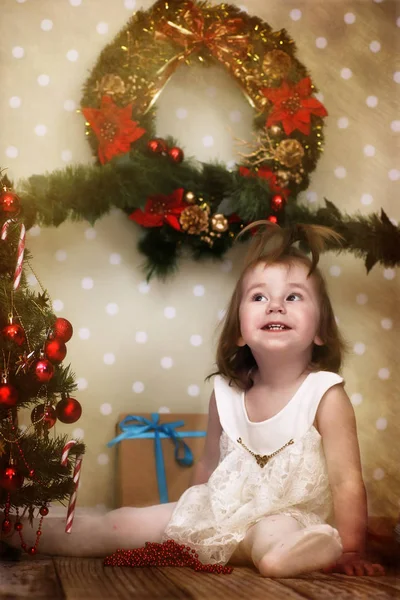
(276,64)
(194,220)
(219,223)
(112,85)
(289,153)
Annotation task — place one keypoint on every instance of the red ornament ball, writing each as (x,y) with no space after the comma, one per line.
(48,413)
(8,395)
(157,146)
(9,203)
(14,333)
(176,154)
(10,478)
(68,410)
(272,219)
(6,526)
(62,330)
(44,370)
(18,526)
(55,350)
(43,510)
(32,550)
(277,202)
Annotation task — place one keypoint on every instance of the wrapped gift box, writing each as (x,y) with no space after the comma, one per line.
(136,459)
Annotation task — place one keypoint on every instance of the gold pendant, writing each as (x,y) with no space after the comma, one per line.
(262,459)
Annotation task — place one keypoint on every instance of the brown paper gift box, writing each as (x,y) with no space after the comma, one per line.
(137,478)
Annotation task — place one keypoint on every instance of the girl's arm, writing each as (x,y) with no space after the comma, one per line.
(337,425)
(210,458)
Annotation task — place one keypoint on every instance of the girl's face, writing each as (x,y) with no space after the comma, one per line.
(279,309)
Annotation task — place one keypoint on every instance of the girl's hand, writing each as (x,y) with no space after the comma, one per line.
(352,563)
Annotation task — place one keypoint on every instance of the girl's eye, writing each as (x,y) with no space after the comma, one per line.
(259,298)
(294,297)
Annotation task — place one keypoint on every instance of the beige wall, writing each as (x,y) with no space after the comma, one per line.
(93,274)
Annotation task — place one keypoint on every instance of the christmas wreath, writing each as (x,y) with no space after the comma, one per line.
(178,203)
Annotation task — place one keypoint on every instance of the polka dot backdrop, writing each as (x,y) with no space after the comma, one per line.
(148,346)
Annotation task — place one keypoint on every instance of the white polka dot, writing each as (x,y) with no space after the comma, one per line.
(394,221)
(84,333)
(394,174)
(82,384)
(181,113)
(75,2)
(389,273)
(321,42)
(198,290)
(106,409)
(196,340)
(78,433)
(31,279)
(356,399)
(211,91)
(398,21)
(386,323)
(374,46)
(349,18)
(366,199)
(340,172)
(21,1)
(138,387)
(43,80)
(69,105)
(295,14)
(15,102)
(396,77)
(230,165)
(72,55)
(58,305)
(193,390)
(359,348)
(66,155)
(226,266)
(235,116)
(361,299)
(381,423)
(379,474)
(90,233)
(377,1)
(170,312)
(102,28)
(102,459)
(112,308)
(61,255)
(335,270)
(130,4)
(164,410)
(312,197)
(166,362)
(144,287)
(109,358)
(346,73)
(40,130)
(208,141)
(87,283)
(384,373)
(46,25)
(369,150)
(371,101)
(12,152)
(343,123)
(243,8)
(115,259)
(18,52)
(319,96)
(395,126)
(221,314)
(34,231)
(141,337)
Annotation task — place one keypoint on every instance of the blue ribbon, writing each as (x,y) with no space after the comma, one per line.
(134,427)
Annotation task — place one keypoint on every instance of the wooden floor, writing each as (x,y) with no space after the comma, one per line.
(87,579)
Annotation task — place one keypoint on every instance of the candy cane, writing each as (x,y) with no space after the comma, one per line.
(20,250)
(65,452)
(76,476)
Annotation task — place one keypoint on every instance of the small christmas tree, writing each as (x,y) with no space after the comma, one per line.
(35,466)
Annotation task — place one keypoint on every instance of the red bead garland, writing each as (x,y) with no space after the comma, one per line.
(166,554)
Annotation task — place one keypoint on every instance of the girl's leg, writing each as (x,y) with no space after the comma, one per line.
(279,547)
(99,535)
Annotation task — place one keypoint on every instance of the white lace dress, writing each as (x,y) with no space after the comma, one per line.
(213,517)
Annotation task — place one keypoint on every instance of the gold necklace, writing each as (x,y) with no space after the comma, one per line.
(262,459)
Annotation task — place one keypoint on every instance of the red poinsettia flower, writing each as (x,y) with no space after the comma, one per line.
(265,173)
(160,209)
(293,106)
(113,127)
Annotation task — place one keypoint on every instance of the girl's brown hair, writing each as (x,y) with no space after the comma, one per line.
(272,244)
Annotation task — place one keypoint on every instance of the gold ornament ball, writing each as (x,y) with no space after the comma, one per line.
(219,223)
(289,152)
(190,197)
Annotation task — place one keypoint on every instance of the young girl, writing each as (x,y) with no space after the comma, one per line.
(281,450)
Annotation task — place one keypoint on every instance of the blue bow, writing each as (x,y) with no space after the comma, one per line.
(135,427)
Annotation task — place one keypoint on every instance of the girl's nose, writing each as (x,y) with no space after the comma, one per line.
(276,306)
